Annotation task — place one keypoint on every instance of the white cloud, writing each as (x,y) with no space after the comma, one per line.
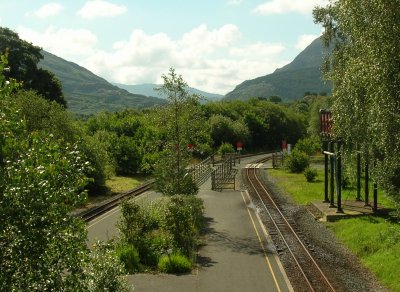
(201,40)
(65,43)
(288,6)
(49,9)
(99,8)
(304,40)
(214,60)
(211,60)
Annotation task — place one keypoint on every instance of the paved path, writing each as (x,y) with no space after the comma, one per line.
(236,257)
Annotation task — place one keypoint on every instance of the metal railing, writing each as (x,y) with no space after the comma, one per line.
(224,174)
(202,171)
(277,159)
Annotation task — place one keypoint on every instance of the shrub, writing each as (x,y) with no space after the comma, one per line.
(174,264)
(310,174)
(170,223)
(103,272)
(137,220)
(140,227)
(183,220)
(152,245)
(297,162)
(308,145)
(226,148)
(129,256)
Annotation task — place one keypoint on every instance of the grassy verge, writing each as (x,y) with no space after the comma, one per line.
(119,184)
(375,240)
(303,192)
(116,185)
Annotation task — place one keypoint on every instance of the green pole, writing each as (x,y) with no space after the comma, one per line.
(339,179)
(332,184)
(366,184)
(375,208)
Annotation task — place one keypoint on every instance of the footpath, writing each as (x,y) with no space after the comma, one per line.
(237,255)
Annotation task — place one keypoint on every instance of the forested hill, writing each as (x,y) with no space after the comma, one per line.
(87,93)
(290,82)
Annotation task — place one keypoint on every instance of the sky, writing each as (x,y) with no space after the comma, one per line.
(214,44)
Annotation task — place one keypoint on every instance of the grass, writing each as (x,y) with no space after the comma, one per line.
(120,184)
(303,192)
(375,240)
(296,185)
(116,185)
(174,264)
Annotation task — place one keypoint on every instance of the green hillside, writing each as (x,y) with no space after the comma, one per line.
(87,93)
(290,82)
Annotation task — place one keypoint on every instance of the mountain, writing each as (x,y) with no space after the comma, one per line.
(148,90)
(290,82)
(87,93)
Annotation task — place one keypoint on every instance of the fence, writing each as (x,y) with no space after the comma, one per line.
(223,176)
(277,159)
(201,171)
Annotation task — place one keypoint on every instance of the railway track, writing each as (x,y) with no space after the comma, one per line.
(300,266)
(94,212)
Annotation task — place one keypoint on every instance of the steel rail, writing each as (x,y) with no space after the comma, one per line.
(95,212)
(253,180)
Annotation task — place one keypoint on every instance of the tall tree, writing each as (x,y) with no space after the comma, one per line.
(181,123)
(23,58)
(365,70)
(42,247)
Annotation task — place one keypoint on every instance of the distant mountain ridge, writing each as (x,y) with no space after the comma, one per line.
(148,89)
(290,82)
(87,93)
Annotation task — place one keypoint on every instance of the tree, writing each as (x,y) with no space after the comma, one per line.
(129,139)
(257,122)
(42,247)
(365,70)
(223,129)
(181,124)
(23,58)
(41,115)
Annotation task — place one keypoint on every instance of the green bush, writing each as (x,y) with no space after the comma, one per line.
(153,245)
(129,256)
(226,148)
(174,264)
(297,162)
(137,220)
(183,220)
(308,145)
(310,174)
(102,272)
(169,223)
